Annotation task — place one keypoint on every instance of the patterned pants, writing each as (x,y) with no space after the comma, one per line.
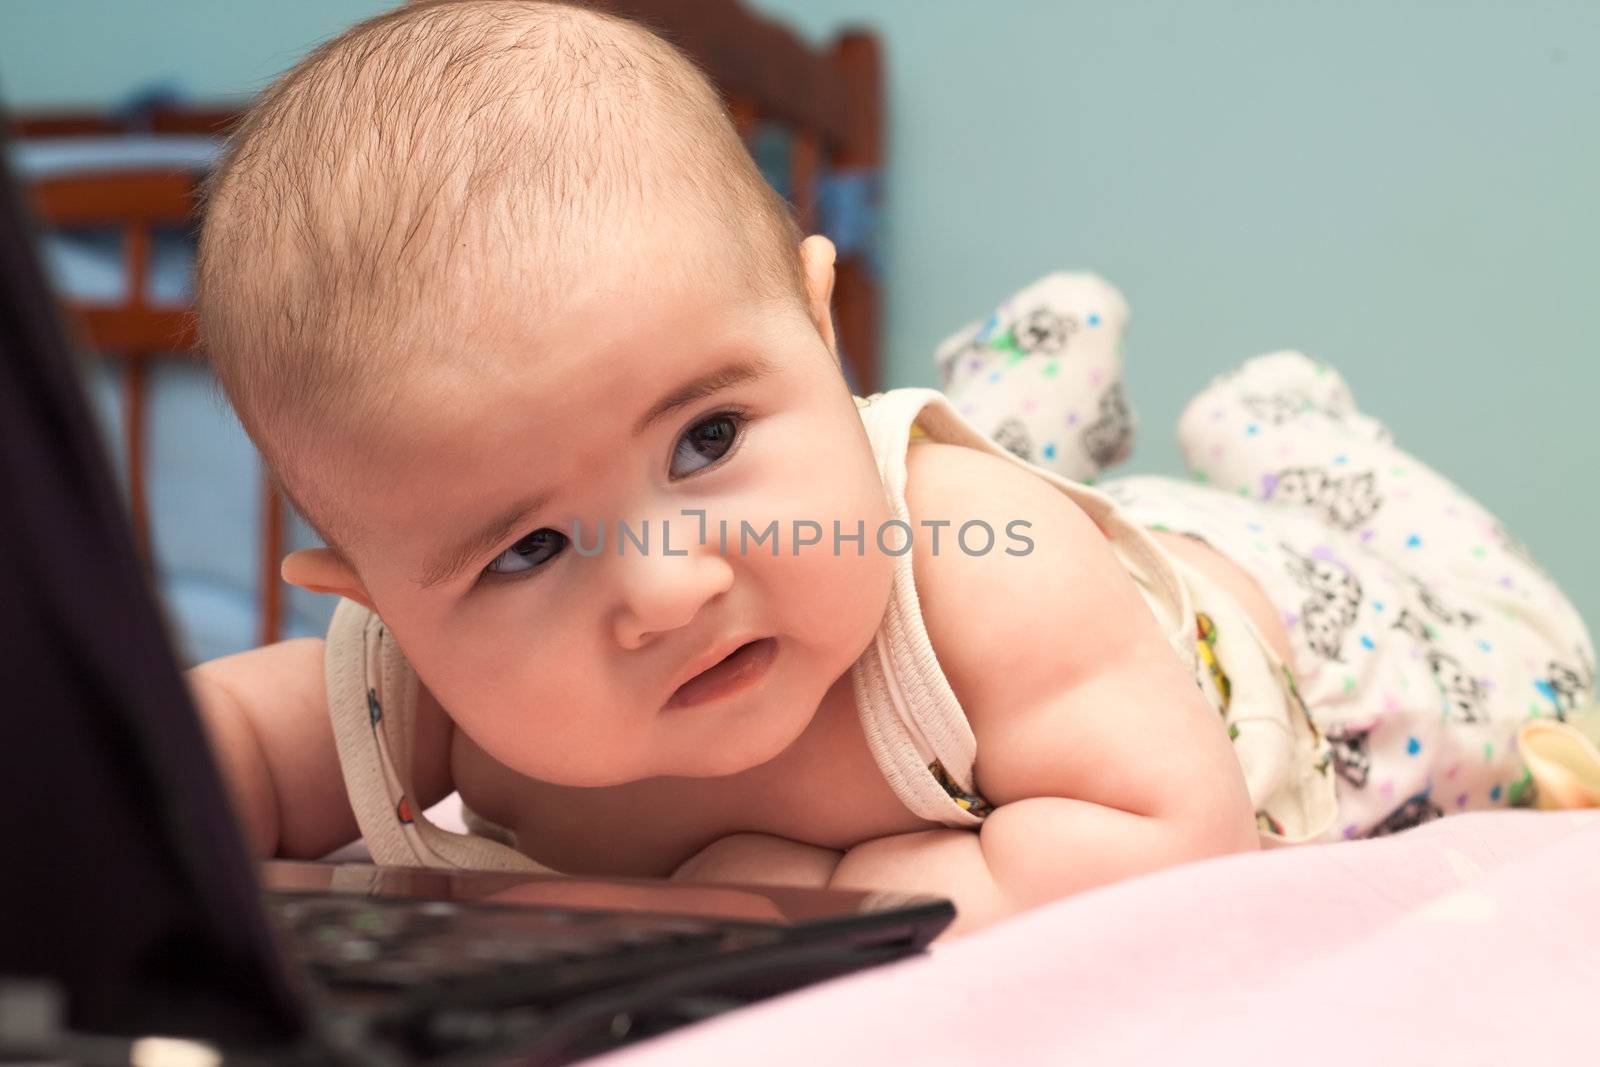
(1422,633)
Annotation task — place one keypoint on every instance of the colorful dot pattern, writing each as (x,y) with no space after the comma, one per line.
(1380,666)
(1387,655)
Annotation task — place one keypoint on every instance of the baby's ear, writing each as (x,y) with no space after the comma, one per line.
(322,570)
(816,262)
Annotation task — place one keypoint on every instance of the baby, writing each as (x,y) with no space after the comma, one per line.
(519,328)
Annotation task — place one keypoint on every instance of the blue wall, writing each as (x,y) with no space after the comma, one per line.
(1400,187)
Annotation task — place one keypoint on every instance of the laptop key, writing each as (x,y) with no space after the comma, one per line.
(382,974)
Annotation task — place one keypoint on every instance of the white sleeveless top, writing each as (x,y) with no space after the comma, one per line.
(913,723)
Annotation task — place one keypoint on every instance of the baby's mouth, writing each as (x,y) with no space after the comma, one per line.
(738,669)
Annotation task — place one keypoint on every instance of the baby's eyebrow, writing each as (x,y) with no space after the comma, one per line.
(451,562)
(745,369)
(448,564)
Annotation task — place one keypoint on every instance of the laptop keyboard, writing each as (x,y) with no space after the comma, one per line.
(350,940)
(437,977)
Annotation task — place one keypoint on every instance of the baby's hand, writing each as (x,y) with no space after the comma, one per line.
(760,859)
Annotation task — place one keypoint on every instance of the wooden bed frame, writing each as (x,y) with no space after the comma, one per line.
(829,101)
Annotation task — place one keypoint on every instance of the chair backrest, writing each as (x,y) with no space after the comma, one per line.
(156,118)
(138,204)
(830,102)
(840,133)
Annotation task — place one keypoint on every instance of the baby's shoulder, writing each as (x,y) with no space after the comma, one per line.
(1006,565)
(939,473)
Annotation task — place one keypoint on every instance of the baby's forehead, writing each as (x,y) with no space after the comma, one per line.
(371,215)
(647,280)
(465,439)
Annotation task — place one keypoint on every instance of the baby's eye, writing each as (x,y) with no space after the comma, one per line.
(706,442)
(528,553)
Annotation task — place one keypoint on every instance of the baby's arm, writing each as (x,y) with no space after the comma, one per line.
(1093,741)
(266,715)
(760,859)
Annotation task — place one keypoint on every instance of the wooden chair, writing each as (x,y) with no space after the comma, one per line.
(160,119)
(830,101)
(133,331)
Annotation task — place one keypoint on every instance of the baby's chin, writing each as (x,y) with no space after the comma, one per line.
(737,740)
(767,731)
(745,753)
(691,761)
(710,741)
(745,738)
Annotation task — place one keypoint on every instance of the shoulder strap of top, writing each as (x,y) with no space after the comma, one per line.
(900,689)
(909,714)
(372,701)
(1149,566)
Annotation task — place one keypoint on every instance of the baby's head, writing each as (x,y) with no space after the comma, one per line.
(482,275)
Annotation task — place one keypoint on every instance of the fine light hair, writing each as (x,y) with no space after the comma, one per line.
(432,158)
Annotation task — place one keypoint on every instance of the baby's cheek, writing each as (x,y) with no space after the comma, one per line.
(508,678)
(842,582)
(537,715)
(833,594)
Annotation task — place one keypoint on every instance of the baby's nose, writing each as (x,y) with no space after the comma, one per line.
(664,582)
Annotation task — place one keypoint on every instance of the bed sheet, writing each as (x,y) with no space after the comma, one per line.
(1469,940)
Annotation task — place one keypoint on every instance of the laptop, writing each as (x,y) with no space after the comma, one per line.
(130,908)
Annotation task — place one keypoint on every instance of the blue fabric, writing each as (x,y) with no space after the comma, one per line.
(202,483)
(88,266)
(51,157)
(848,210)
(848,198)
(202,475)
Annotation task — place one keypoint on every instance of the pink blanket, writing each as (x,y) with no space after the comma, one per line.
(1473,939)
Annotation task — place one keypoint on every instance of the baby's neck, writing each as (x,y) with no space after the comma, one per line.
(826,788)
(834,728)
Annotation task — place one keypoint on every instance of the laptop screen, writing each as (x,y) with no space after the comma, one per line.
(126,881)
